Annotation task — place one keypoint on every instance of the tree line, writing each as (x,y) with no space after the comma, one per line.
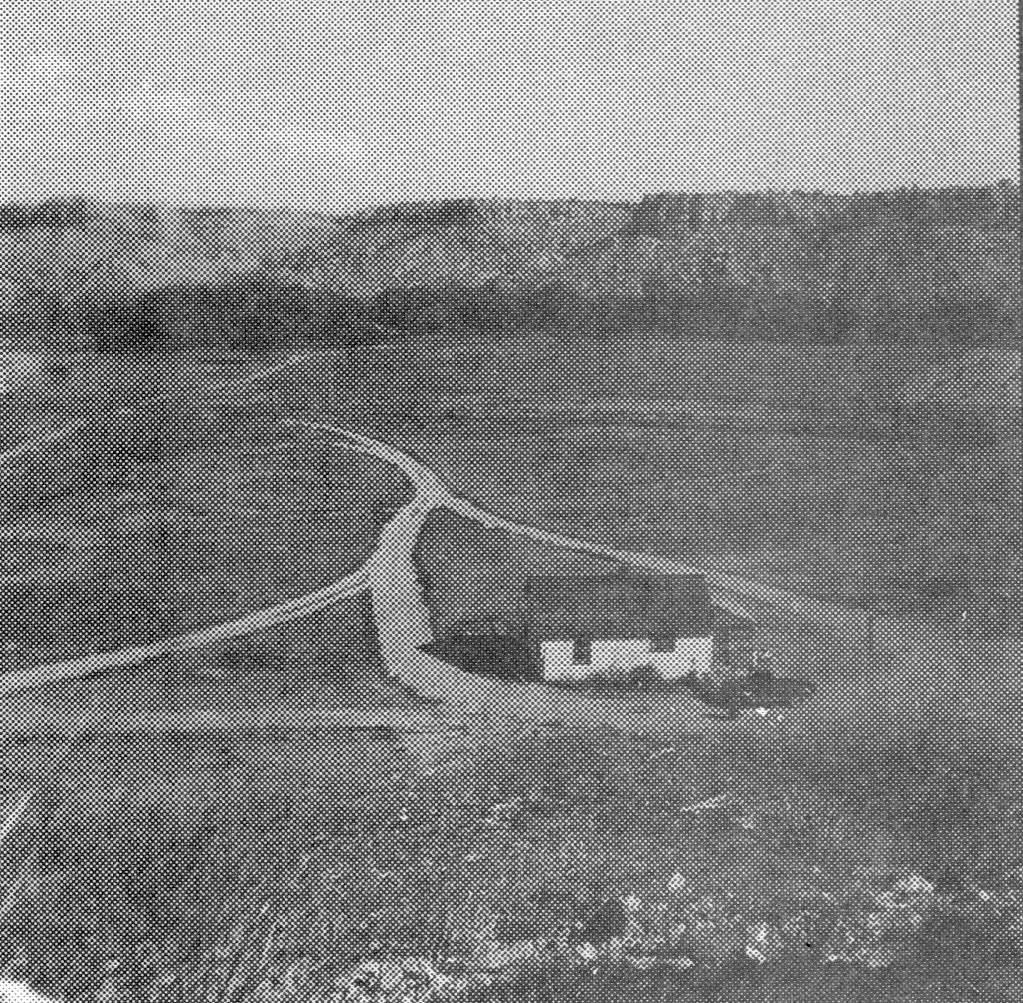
(906,266)
(989,206)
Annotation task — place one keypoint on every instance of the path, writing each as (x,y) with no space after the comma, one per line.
(730,591)
(403,621)
(402,618)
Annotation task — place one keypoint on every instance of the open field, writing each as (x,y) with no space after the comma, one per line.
(802,877)
(552,369)
(759,862)
(867,847)
(197,511)
(807,509)
(323,664)
(818,516)
(70,386)
(168,797)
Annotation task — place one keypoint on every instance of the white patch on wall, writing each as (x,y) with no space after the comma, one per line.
(690,654)
(559,663)
(19,992)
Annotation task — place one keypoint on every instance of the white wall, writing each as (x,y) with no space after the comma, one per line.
(558,664)
(691,654)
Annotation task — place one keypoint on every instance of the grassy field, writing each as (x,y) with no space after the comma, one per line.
(868,848)
(787,499)
(544,864)
(145,857)
(804,878)
(467,570)
(199,510)
(71,386)
(548,369)
(322,663)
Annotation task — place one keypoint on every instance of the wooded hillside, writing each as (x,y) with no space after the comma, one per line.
(908,266)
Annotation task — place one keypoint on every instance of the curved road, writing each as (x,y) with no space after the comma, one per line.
(730,591)
(403,622)
(401,616)
(403,625)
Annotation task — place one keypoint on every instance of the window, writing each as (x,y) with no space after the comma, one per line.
(582,650)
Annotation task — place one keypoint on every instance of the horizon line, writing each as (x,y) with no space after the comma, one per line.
(433,200)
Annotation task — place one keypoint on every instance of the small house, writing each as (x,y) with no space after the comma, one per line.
(583,626)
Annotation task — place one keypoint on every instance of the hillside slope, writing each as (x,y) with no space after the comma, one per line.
(81,273)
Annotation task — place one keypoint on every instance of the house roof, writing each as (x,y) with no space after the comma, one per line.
(617,606)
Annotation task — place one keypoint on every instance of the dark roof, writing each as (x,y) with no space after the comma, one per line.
(618,606)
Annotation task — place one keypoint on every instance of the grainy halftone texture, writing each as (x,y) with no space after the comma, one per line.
(360,784)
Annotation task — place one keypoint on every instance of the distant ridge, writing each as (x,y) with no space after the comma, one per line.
(909,265)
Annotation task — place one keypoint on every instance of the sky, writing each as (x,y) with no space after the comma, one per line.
(331,107)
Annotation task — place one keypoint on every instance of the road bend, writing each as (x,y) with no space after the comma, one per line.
(403,619)
(735,594)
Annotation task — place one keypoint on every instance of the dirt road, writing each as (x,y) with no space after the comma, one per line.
(402,618)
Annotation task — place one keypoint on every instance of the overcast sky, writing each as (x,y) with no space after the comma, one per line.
(333,105)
